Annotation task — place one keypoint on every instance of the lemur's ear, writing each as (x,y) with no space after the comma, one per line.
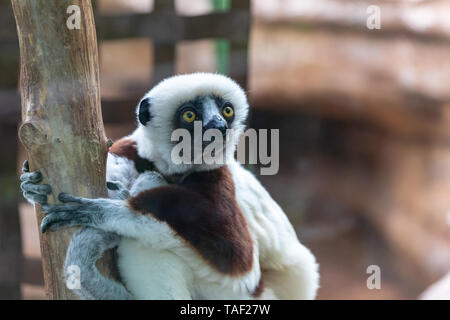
(144,115)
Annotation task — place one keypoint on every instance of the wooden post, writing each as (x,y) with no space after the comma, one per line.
(62,128)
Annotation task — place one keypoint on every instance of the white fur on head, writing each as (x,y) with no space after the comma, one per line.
(153,139)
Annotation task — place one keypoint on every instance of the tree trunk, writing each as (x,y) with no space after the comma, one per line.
(62,128)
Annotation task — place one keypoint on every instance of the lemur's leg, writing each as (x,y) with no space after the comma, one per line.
(86,247)
(89,244)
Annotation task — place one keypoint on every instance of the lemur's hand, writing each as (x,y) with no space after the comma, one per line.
(31,189)
(81,212)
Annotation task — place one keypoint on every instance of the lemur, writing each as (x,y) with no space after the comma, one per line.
(185,231)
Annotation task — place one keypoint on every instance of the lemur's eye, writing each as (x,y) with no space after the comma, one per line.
(189,116)
(228,111)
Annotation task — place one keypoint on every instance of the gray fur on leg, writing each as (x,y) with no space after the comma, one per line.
(85,248)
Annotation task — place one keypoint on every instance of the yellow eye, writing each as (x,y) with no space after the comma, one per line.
(228,112)
(189,116)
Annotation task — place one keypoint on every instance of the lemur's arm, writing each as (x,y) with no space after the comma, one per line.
(109,215)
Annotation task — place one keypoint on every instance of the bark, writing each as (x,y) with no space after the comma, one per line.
(62,128)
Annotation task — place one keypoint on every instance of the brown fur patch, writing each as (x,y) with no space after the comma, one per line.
(203,210)
(127,148)
(259,288)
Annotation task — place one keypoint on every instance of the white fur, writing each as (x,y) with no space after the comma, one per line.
(156,264)
(153,139)
(178,273)
(288,267)
(119,169)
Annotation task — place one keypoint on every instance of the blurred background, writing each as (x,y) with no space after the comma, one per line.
(364,119)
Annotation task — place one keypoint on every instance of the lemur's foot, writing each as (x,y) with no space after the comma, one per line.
(81,212)
(31,189)
(122,192)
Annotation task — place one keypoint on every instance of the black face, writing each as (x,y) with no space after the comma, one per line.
(213,112)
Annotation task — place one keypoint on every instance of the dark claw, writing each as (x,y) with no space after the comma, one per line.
(64,219)
(55,226)
(26,166)
(44,226)
(51,221)
(112,185)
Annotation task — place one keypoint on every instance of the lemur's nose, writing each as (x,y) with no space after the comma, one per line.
(216,123)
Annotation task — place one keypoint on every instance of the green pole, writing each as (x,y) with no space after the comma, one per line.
(222,46)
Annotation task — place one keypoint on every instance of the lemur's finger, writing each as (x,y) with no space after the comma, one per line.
(53,225)
(47,209)
(35,198)
(65,197)
(114,185)
(42,189)
(33,177)
(58,220)
(25,166)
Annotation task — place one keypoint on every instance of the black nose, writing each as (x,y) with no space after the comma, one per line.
(216,123)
